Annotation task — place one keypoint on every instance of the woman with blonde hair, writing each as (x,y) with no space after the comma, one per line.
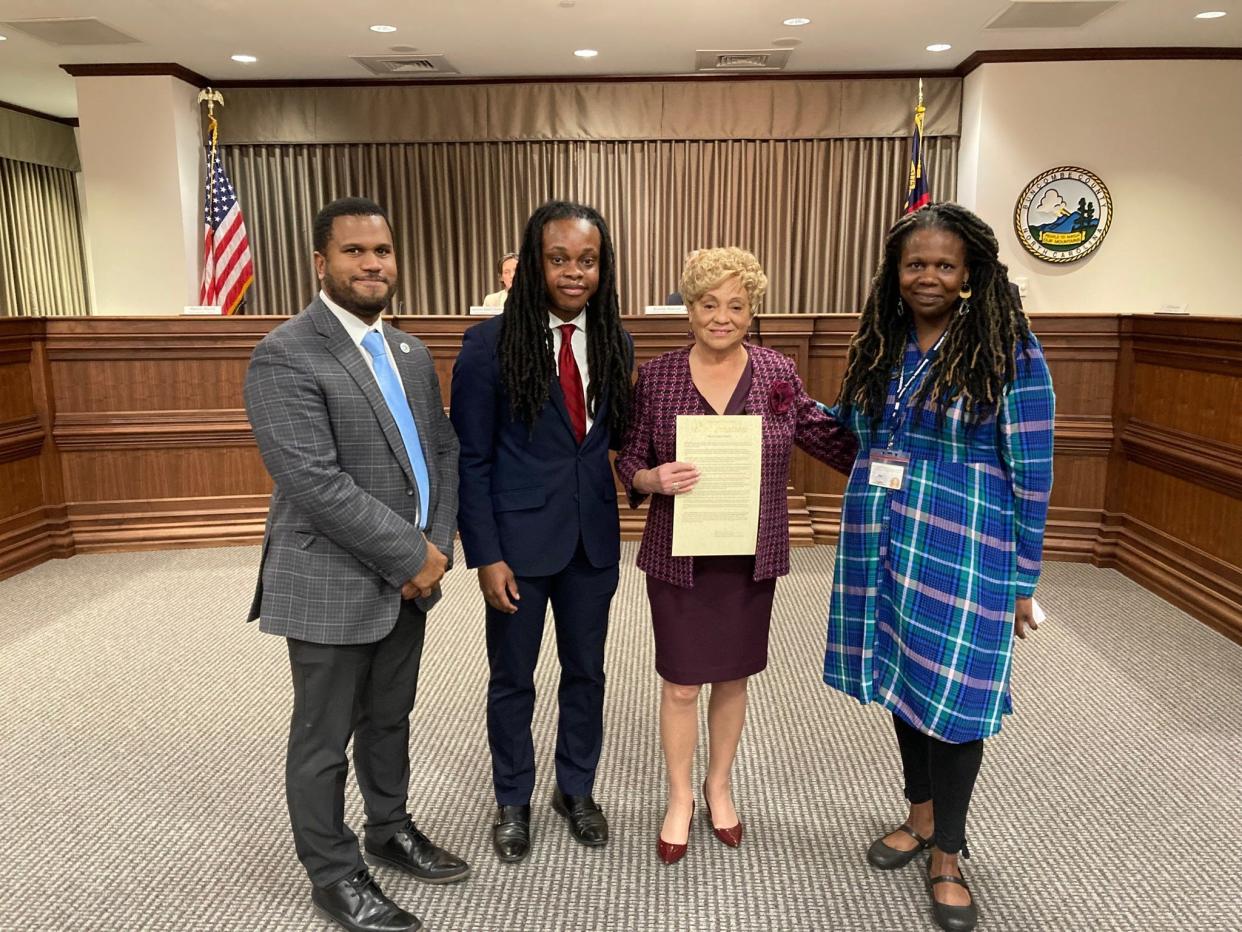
(711,614)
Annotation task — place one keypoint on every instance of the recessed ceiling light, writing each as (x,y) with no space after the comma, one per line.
(382,28)
(939,47)
(245,59)
(1210,14)
(4,38)
(797,21)
(586,53)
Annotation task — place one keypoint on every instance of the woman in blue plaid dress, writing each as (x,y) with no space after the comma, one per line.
(942,522)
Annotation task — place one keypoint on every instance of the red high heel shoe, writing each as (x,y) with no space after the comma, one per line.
(730,836)
(670,853)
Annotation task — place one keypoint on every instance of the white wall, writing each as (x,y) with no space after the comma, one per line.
(141,164)
(1166,139)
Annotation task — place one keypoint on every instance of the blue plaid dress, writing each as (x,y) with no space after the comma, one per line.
(921,619)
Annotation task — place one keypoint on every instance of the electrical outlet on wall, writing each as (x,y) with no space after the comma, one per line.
(1022,286)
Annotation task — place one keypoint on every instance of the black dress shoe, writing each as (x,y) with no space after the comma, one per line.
(952,918)
(888,858)
(511,832)
(413,851)
(586,820)
(358,904)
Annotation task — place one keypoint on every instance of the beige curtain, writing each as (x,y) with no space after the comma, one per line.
(42,258)
(631,110)
(813,210)
(28,138)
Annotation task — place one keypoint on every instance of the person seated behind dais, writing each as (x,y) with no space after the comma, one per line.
(507,267)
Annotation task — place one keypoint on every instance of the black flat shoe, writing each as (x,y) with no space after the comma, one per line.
(586,820)
(888,858)
(359,905)
(414,852)
(511,833)
(952,918)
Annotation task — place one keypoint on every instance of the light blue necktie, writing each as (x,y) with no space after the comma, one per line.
(373,343)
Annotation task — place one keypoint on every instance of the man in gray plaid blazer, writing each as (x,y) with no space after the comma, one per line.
(349,420)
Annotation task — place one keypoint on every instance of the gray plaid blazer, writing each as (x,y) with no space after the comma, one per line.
(342,533)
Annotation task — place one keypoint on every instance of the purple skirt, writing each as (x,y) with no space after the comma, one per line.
(716,631)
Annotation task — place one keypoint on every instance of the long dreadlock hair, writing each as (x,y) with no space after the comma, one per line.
(976,360)
(526,364)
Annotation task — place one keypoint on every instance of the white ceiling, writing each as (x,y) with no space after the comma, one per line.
(308,39)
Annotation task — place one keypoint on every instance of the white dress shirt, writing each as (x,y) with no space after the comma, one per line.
(578,346)
(357,328)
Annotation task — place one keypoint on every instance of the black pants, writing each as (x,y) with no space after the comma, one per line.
(363,690)
(944,773)
(580,595)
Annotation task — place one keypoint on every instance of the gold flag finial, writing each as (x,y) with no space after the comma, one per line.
(211,97)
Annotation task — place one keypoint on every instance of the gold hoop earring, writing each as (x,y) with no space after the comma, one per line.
(965,292)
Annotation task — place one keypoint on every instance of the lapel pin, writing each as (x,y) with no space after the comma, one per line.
(405,347)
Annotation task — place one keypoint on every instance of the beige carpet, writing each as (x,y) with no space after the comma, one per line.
(142,740)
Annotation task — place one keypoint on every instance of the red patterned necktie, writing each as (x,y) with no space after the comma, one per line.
(571,382)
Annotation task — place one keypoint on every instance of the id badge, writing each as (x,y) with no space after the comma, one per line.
(888,469)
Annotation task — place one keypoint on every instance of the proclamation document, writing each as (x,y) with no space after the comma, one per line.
(720,515)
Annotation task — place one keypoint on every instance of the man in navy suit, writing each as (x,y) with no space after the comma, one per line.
(540,394)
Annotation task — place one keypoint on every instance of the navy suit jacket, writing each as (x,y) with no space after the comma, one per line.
(526,496)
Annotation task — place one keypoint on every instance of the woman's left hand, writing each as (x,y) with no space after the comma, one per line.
(1024,617)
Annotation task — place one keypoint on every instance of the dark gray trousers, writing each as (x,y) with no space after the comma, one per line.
(365,691)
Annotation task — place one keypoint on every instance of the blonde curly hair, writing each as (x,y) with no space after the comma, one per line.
(707,268)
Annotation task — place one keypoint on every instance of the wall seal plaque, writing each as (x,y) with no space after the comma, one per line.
(1063,214)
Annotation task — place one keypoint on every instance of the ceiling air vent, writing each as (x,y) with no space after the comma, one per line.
(1041,14)
(86,31)
(742,60)
(403,66)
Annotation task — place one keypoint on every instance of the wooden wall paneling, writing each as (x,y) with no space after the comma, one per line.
(21,432)
(1110,537)
(22,505)
(1193,402)
(154,445)
(152,524)
(32,526)
(1176,503)
(118,497)
(443,336)
(1214,465)
(1082,354)
(1207,519)
(126,433)
(22,542)
(827,350)
(1197,582)
(57,532)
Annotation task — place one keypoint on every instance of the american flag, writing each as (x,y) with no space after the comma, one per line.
(227,267)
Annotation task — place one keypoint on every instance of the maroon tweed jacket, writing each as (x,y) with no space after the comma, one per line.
(665,390)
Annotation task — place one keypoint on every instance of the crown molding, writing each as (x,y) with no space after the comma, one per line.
(136,69)
(1149,53)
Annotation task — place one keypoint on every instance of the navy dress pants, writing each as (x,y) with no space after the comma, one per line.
(580,596)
